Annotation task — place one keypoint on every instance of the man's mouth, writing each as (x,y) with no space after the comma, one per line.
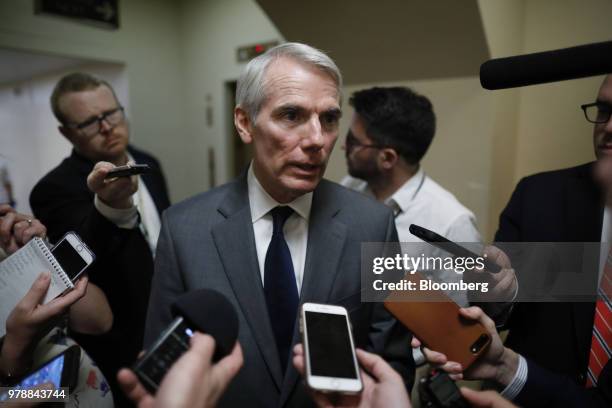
(308,168)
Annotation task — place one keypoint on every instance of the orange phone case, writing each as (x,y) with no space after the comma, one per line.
(438,324)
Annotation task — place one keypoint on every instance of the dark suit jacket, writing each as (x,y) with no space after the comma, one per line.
(546,389)
(556,206)
(208,242)
(124,265)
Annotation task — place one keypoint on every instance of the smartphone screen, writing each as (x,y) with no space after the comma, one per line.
(68,258)
(49,373)
(329,345)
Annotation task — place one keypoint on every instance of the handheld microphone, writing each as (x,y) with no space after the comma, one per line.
(202,310)
(550,66)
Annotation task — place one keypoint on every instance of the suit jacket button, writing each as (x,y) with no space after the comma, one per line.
(581,377)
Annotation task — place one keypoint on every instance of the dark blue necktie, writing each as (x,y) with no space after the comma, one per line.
(279,285)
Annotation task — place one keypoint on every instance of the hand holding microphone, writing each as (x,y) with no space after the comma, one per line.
(184,367)
(193,381)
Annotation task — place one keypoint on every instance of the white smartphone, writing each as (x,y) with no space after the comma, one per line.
(73,255)
(329,350)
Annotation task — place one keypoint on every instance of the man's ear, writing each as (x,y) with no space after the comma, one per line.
(387,158)
(243,125)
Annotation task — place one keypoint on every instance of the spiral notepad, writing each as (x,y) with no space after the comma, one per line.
(19,271)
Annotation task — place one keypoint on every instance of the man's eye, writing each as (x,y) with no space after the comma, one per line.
(330,120)
(290,115)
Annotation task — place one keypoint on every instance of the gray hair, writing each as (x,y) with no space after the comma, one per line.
(250,90)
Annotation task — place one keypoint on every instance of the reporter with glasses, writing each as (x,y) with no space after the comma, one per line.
(119,219)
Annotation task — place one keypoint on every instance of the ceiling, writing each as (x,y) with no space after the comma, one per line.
(388,40)
(22,65)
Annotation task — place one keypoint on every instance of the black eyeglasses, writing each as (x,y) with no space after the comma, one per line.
(597,112)
(352,142)
(91,127)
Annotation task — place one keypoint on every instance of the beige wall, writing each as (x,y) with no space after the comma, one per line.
(148,44)
(503,24)
(211,31)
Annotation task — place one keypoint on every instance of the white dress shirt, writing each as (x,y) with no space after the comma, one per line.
(295,228)
(424,202)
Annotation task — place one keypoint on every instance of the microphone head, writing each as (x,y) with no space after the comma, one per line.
(209,312)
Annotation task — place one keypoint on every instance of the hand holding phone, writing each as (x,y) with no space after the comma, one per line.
(496,362)
(112,190)
(382,385)
(329,350)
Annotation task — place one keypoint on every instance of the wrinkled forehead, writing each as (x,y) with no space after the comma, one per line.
(605,91)
(288,76)
(81,105)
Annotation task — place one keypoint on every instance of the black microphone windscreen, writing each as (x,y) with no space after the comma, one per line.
(550,66)
(209,312)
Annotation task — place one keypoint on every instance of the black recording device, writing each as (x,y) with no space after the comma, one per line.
(202,310)
(549,66)
(449,246)
(438,390)
(127,170)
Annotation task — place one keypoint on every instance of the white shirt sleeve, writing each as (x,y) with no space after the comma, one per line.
(463,229)
(518,381)
(123,218)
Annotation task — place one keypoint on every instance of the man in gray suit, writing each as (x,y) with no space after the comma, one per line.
(279,235)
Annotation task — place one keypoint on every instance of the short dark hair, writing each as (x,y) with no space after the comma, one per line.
(397,117)
(75,82)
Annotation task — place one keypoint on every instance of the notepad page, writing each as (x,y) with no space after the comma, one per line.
(17,274)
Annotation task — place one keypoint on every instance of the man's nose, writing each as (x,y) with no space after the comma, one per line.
(315,138)
(105,127)
(608,125)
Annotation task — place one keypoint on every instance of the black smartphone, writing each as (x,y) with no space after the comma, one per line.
(73,255)
(440,391)
(449,246)
(128,170)
(155,363)
(62,371)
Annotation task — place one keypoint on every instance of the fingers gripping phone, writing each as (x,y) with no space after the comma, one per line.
(439,325)
(73,255)
(329,351)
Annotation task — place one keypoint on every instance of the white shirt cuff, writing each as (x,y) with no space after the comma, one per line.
(518,381)
(123,218)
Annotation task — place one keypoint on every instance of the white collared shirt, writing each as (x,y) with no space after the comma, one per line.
(422,201)
(295,228)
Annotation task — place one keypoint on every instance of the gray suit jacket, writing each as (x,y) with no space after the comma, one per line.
(207,241)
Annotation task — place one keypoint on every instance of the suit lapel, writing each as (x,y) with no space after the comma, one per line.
(584,222)
(326,238)
(236,246)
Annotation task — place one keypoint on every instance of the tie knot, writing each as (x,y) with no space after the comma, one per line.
(279,216)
